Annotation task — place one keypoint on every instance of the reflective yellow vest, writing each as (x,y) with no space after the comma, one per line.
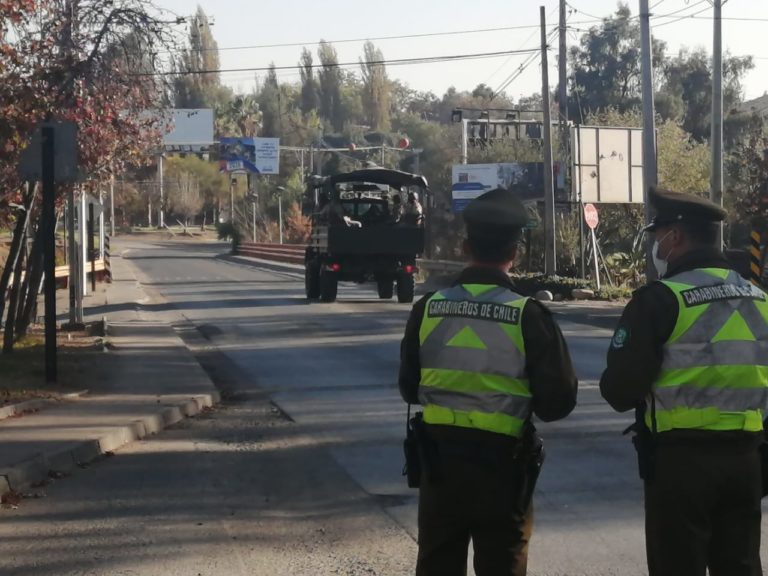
(714,375)
(473,359)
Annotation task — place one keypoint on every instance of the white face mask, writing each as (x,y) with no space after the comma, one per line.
(660,263)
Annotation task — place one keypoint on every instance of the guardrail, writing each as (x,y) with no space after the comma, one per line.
(290,253)
(294,254)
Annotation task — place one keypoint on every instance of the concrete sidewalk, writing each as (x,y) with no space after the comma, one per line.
(146,381)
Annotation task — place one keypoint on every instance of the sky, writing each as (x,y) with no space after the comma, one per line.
(240,23)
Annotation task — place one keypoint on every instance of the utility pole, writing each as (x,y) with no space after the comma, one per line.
(73,280)
(49,251)
(550,248)
(161,207)
(254,220)
(563,77)
(280,190)
(112,205)
(464,129)
(650,173)
(716,175)
(232,182)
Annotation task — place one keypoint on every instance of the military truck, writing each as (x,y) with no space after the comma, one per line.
(358,233)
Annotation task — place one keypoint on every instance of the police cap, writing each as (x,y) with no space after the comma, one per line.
(497,211)
(680,208)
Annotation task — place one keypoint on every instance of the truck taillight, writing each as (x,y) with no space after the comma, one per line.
(409,268)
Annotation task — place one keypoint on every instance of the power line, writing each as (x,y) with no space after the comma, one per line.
(376,38)
(572,7)
(676,20)
(504,64)
(524,66)
(689,7)
(392,62)
(594,20)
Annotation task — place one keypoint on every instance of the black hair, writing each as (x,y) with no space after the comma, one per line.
(492,245)
(701,233)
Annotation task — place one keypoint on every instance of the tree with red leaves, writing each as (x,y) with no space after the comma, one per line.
(90,62)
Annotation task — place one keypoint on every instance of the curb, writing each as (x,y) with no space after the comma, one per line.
(78,454)
(12,410)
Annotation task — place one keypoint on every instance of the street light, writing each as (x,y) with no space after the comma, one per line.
(280,190)
(253,197)
(232,184)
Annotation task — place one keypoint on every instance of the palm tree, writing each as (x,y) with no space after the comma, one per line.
(240,117)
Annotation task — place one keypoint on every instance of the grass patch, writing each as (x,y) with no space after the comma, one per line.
(23,371)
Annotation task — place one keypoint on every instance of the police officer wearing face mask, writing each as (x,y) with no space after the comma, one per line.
(691,354)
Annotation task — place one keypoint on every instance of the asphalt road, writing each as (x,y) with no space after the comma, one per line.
(299,471)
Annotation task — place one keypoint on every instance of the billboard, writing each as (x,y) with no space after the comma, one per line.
(607,164)
(189,128)
(524,178)
(254,155)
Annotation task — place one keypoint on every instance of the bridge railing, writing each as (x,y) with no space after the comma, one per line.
(294,254)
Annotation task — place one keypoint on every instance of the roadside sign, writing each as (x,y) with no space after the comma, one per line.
(590,215)
(65,153)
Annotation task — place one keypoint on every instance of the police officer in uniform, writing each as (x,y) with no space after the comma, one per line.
(691,351)
(480,359)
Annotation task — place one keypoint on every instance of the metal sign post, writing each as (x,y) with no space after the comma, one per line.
(51,157)
(592,220)
(49,252)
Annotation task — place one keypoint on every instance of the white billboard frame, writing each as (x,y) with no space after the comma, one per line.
(607,164)
(191,129)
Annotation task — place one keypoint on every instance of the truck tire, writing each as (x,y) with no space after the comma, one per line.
(312,281)
(329,286)
(406,288)
(386,289)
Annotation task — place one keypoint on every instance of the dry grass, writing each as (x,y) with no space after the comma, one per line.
(22,374)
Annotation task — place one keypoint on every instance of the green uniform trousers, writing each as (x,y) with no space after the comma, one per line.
(472,499)
(702,509)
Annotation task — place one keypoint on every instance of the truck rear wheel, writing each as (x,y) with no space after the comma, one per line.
(329,286)
(386,289)
(312,281)
(406,288)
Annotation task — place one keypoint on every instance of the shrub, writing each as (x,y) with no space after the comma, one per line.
(228,231)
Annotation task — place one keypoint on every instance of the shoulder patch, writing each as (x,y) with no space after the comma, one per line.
(620,338)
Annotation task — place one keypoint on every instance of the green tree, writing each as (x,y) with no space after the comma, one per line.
(686,91)
(331,107)
(269,100)
(241,117)
(211,185)
(199,86)
(606,66)
(376,88)
(310,91)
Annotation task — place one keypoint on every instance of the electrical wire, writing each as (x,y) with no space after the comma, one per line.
(572,7)
(684,17)
(525,42)
(392,62)
(374,38)
(519,71)
(676,12)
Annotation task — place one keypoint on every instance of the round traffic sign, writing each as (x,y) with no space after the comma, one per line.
(590,215)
